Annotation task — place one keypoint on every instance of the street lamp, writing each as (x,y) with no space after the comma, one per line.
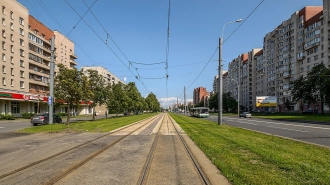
(220,74)
(237,83)
(184,91)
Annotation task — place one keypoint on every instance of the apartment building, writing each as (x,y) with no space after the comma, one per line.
(289,51)
(64,51)
(109,78)
(39,63)
(14,58)
(200,94)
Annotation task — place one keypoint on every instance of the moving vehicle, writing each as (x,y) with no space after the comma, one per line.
(200,112)
(44,119)
(245,115)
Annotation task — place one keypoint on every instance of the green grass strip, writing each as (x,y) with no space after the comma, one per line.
(247,157)
(102,125)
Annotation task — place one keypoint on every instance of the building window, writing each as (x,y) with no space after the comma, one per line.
(12,37)
(11,15)
(21,84)
(3,22)
(12,71)
(21,63)
(12,48)
(3,45)
(316,57)
(3,10)
(321,47)
(3,33)
(11,26)
(3,81)
(322,55)
(21,42)
(22,74)
(21,52)
(15,107)
(3,57)
(4,69)
(308,60)
(12,60)
(12,82)
(21,31)
(21,21)
(308,68)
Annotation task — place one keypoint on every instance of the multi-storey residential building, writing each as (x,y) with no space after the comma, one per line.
(39,63)
(109,78)
(14,83)
(64,51)
(200,95)
(291,50)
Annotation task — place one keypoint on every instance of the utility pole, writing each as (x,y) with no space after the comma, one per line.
(184,90)
(51,84)
(220,84)
(177,104)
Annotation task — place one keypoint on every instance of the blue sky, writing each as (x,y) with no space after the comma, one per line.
(139,29)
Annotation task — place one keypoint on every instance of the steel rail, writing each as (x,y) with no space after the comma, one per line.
(194,161)
(70,149)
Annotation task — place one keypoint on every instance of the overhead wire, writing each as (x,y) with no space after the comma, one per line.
(168,44)
(43,6)
(225,41)
(137,76)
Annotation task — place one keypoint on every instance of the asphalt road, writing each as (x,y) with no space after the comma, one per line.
(13,125)
(316,133)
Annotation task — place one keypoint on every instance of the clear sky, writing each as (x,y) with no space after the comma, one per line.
(139,29)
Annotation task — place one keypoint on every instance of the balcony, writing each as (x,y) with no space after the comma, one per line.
(72,55)
(300,58)
(38,82)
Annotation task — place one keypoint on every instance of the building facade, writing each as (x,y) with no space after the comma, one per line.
(25,65)
(109,78)
(289,51)
(200,95)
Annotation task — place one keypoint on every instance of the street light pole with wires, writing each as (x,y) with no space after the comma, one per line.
(220,74)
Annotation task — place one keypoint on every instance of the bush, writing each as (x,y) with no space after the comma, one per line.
(61,114)
(28,115)
(2,116)
(8,117)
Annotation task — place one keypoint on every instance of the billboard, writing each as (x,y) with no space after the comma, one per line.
(266,101)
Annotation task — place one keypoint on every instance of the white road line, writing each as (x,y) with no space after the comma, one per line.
(2,127)
(290,124)
(288,129)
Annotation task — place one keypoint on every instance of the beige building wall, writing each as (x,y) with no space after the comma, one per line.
(64,51)
(14,56)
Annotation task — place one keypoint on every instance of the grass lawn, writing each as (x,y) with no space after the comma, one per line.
(247,157)
(102,125)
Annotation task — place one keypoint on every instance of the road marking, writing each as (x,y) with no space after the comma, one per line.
(288,129)
(288,124)
(2,127)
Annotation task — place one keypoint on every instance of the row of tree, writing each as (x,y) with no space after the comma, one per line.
(75,87)
(313,88)
(229,103)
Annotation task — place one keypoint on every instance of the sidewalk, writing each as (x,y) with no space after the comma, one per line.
(72,118)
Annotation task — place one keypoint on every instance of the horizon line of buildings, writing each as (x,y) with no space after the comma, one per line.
(289,51)
(25,62)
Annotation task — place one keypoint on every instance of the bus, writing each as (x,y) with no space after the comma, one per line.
(200,112)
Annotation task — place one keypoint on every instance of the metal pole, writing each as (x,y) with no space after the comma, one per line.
(51,84)
(184,90)
(238,85)
(220,84)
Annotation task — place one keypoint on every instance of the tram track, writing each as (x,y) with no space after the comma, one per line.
(146,168)
(85,144)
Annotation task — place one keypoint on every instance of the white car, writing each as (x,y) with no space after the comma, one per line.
(245,115)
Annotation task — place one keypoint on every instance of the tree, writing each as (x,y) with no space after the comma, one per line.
(96,89)
(134,97)
(313,88)
(117,98)
(69,88)
(152,103)
(213,102)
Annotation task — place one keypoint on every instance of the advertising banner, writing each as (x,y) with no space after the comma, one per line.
(266,101)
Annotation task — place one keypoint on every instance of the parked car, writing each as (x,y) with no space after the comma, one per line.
(44,119)
(245,115)
(309,112)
